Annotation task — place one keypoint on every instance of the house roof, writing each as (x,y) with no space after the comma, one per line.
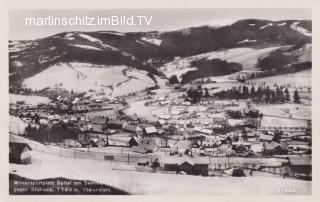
(206,131)
(97,128)
(132,128)
(136,138)
(151,129)
(20,144)
(115,121)
(305,160)
(98,120)
(191,161)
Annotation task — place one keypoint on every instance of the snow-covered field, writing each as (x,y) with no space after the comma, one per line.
(114,174)
(248,57)
(153,41)
(282,122)
(286,110)
(298,79)
(140,110)
(28,99)
(81,77)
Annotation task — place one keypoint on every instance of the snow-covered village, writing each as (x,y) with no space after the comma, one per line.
(137,111)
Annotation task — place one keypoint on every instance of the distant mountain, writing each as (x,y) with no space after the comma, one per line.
(251,32)
(28,58)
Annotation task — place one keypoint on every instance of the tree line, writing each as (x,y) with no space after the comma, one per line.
(260,95)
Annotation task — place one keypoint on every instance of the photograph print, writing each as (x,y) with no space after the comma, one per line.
(160,101)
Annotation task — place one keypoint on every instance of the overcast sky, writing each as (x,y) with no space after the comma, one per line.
(163,19)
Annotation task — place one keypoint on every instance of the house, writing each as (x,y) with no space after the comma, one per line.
(97,128)
(182,146)
(274,148)
(145,148)
(150,131)
(198,166)
(133,119)
(115,124)
(134,141)
(239,148)
(235,172)
(258,148)
(160,123)
(300,166)
(98,120)
(187,167)
(201,166)
(19,152)
(206,131)
(133,129)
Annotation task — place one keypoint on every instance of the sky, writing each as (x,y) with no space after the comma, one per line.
(162,19)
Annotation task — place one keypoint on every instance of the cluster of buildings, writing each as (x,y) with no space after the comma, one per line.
(185,135)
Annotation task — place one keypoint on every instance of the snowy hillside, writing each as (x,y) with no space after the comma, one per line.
(81,77)
(248,57)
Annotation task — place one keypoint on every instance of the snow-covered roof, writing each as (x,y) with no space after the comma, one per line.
(151,129)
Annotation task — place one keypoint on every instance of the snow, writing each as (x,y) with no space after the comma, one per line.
(17,63)
(114,33)
(28,99)
(70,38)
(110,47)
(153,41)
(216,23)
(286,110)
(81,77)
(295,80)
(90,38)
(301,30)
(68,35)
(86,47)
(247,41)
(16,125)
(282,24)
(114,174)
(248,57)
(267,25)
(282,122)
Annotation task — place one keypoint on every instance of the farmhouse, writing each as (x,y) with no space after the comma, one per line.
(199,166)
(19,152)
